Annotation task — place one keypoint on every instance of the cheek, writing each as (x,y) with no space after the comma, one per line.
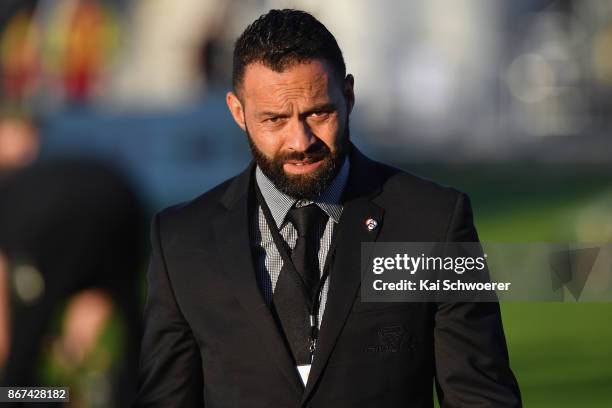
(266,141)
(330,132)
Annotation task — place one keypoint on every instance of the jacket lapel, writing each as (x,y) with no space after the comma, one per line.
(231,231)
(345,277)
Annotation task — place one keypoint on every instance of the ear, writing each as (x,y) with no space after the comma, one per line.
(236,109)
(349,93)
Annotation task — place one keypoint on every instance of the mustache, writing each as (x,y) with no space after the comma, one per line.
(311,155)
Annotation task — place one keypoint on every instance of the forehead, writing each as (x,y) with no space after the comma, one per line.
(311,80)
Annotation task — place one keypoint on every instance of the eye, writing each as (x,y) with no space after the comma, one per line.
(319,115)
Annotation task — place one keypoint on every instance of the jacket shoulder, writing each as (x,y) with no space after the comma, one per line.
(421,206)
(402,185)
(193,215)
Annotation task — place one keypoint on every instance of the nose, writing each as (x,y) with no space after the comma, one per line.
(299,136)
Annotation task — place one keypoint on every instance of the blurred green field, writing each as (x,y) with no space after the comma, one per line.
(561,353)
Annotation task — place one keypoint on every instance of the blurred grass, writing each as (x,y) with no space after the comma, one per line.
(89,381)
(561,353)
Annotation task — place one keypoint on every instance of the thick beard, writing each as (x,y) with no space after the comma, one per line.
(303,186)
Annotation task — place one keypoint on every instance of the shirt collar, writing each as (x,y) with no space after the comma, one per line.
(280,203)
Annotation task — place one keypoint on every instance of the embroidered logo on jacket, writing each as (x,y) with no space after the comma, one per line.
(390,340)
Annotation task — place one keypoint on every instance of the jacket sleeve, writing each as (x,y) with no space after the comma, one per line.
(472,364)
(170,364)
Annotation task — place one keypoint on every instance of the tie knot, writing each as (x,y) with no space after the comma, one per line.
(305,219)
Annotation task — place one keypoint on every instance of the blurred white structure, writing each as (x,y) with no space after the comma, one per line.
(160,64)
(461,79)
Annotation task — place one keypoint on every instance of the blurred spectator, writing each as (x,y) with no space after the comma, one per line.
(71,238)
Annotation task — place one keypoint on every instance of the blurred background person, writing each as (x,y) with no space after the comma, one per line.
(71,239)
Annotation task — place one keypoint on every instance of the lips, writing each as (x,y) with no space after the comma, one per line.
(301,166)
(301,162)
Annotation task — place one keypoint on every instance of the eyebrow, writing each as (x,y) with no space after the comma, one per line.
(325,107)
(268,114)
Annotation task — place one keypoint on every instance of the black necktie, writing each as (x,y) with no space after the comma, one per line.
(307,221)
(293,295)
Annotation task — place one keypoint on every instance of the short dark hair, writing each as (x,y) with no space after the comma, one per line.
(281,38)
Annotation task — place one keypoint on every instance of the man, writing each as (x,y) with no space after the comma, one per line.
(254,286)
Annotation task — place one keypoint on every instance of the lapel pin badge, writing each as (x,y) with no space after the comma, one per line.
(371,224)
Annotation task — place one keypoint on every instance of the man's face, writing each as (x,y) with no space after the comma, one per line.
(297,123)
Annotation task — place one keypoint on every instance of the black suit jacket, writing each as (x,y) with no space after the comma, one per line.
(210,340)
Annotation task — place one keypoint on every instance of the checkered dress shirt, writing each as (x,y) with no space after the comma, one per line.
(268,261)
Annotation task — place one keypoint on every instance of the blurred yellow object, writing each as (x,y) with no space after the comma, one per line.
(19,56)
(79,45)
(67,52)
(602,56)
